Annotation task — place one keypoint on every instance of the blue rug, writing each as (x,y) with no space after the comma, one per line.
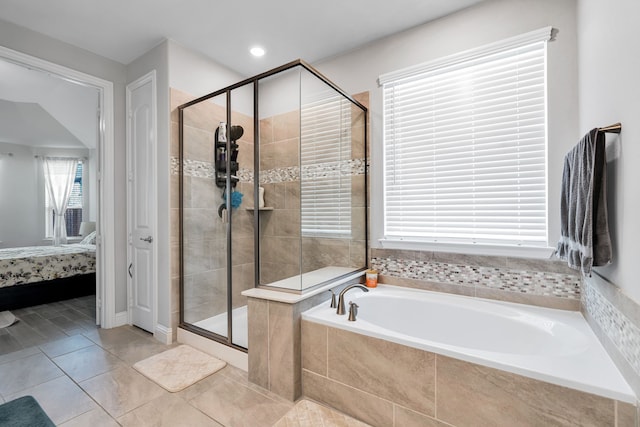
(24,412)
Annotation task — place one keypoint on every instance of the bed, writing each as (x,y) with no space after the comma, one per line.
(41,274)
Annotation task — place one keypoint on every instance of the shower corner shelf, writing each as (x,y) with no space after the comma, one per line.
(266,208)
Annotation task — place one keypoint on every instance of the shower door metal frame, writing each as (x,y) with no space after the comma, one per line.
(228,340)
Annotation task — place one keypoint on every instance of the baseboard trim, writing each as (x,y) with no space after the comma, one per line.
(121,319)
(163,334)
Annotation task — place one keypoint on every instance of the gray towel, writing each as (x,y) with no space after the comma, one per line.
(585,240)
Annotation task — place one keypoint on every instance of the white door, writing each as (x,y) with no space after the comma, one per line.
(141,208)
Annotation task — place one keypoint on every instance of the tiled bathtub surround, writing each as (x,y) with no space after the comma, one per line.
(539,282)
(624,335)
(274,340)
(615,319)
(387,384)
(536,282)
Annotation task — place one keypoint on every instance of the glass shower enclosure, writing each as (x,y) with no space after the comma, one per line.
(273,193)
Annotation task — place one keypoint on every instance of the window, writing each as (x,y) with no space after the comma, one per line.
(465,147)
(325,152)
(73,214)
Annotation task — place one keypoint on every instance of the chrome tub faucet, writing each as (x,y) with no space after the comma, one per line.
(341,308)
(333,299)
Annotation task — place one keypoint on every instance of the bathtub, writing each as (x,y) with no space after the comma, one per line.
(549,345)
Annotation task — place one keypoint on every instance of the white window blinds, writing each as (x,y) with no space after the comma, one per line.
(325,151)
(465,147)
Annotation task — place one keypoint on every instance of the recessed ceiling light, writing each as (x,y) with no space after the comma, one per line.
(257,51)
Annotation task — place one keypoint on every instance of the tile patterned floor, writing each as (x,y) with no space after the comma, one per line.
(81,375)
(310,414)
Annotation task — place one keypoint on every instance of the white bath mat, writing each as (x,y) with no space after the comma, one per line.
(178,368)
(7,319)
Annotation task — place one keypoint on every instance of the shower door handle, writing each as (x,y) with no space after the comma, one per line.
(147,239)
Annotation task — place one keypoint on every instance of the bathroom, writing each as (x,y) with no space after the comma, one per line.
(592,69)
(512,276)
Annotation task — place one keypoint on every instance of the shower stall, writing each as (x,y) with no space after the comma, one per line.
(273,193)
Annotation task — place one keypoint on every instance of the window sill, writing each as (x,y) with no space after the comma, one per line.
(470,249)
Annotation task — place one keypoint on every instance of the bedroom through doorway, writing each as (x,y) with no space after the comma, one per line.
(56,137)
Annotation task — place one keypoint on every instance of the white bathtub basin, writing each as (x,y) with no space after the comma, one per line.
(556,346)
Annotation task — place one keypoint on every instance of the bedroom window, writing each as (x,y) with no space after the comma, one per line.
(465,145)
(73,214)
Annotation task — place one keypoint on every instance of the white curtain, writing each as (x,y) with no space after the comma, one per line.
(59,174)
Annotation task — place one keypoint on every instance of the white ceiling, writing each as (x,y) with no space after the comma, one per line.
(123,30)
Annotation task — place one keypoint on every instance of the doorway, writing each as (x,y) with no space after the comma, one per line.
(104,165)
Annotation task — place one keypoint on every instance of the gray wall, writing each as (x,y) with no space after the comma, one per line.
(487,22)
(609,92)
(21,219)
(609,59)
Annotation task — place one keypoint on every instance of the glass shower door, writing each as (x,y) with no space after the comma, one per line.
(204,223)
(273,194)
(242,212)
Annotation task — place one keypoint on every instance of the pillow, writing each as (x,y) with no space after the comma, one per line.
(90,239)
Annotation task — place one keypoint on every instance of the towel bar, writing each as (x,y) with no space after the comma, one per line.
(614,128)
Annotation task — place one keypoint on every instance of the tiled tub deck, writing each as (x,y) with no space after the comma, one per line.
(386,383)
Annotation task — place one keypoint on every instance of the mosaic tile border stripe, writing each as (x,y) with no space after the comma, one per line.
(194,168)
(200,169)
(620,330)
(527,282)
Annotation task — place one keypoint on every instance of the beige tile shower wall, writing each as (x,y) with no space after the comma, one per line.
(242,244)
(321,252)
(280,228)
(360,187)
(176,98)
(205,233)
(387,384)
(282,244)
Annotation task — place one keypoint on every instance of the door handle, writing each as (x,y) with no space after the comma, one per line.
(147,239)
(129,269)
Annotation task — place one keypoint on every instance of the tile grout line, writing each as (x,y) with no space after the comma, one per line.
(78,383)
(38,350)
(327,350)
(435,386)
(393,404)
(393,415)
(268,345)
(355,388)
(237,382)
